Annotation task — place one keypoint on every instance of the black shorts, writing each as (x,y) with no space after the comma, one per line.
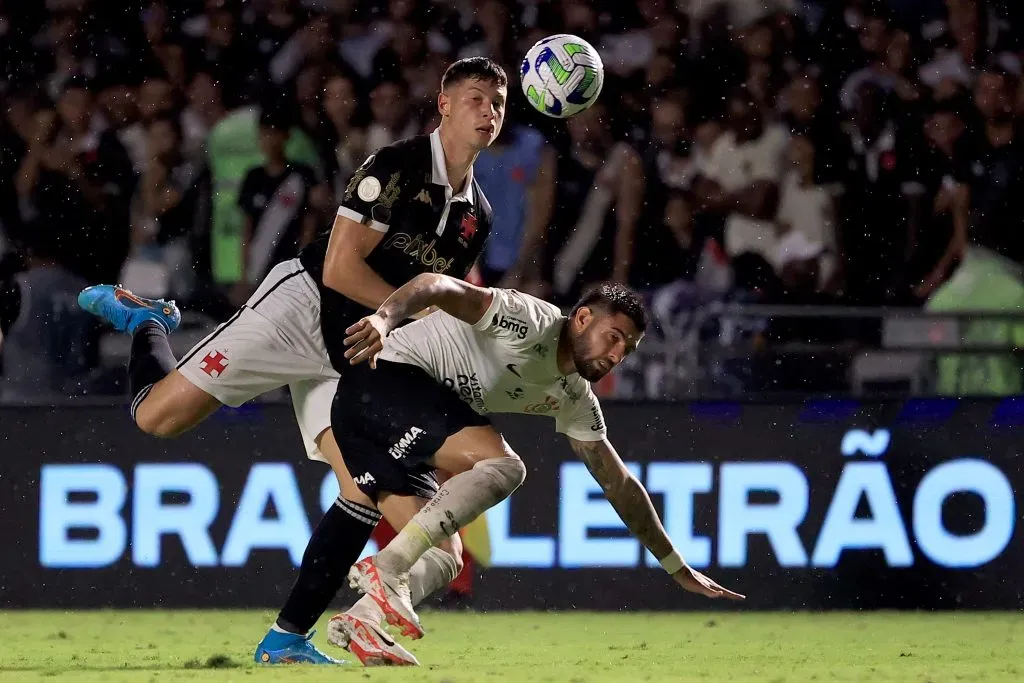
(390,421)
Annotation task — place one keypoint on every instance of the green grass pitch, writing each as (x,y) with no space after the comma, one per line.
(574,647)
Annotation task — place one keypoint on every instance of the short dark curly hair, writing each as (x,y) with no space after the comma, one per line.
(479,68)
(614,297)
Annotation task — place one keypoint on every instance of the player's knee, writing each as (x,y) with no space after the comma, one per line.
(506,473)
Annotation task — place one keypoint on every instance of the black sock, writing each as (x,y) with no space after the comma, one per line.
(10,304)
(335,545)
(151,360)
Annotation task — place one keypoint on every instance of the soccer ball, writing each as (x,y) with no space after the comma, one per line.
(562,75)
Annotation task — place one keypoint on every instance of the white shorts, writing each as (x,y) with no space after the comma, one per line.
(272,341)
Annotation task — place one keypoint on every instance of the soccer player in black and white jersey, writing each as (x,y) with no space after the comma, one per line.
(411,208)
(422,404)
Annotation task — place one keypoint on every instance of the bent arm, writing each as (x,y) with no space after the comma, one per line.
(345,267)
(456,297)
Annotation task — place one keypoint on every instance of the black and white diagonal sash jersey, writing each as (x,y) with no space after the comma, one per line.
(275,206)
(403,192)
(283,209)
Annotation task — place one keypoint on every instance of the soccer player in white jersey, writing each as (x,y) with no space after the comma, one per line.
(422,402)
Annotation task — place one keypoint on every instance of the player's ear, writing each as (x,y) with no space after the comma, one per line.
(444,103)
(584,314)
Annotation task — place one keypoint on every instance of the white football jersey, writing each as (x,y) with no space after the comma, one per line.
(505,363)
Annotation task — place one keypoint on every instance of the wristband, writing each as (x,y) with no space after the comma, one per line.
(672,562)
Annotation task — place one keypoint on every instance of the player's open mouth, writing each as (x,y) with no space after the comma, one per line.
(486,130)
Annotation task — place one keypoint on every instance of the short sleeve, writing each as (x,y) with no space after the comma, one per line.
(582,420)
(372,191)
(517,319)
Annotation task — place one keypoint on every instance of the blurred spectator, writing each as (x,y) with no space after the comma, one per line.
(233,148)
(76,180)
(879,176)
(517,173)
(204,110)
(940,234)
(807,220)
(46,350)
(221,47)
(17,127)
(803,111)
(117,102)
(170,212)
(275,200)
(741,179)
(599,189)
(393,117)
(342,141)
(996,177)
(666,242)
(157,97)
(891,69)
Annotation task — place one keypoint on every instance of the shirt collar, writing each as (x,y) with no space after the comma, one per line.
(439,171)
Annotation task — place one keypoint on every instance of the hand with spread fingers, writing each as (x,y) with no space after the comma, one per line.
(695,582)
(366,340)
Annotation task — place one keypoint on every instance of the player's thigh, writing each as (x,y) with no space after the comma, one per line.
(172,406)
(311,402)
(272,341)
(328,447)
(464,449)
(389,424)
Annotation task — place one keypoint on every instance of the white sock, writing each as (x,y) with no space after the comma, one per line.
(277,628)
(432,572)
(435,570)
(462,499)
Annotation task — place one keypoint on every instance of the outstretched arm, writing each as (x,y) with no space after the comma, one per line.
(630,500)
(457,298)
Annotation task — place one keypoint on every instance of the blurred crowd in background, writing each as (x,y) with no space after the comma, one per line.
(840,152)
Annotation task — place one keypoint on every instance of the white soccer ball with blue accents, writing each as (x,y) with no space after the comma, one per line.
(562,75)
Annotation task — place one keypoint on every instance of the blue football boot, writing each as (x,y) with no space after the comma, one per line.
(125,311)
(291,648)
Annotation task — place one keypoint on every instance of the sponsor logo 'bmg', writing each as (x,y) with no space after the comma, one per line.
(514,325)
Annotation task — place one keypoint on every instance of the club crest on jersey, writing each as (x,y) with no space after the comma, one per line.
(214,364)
(424,252)
(467,229)
(549,405)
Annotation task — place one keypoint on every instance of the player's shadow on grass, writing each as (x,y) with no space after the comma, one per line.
(213,662)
